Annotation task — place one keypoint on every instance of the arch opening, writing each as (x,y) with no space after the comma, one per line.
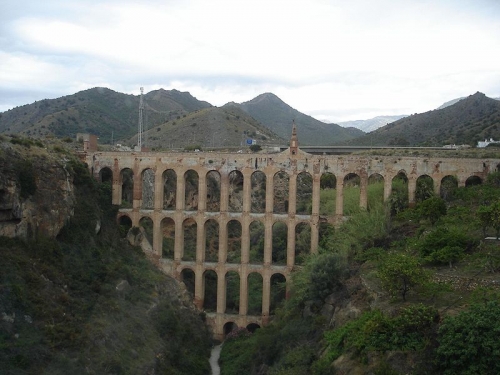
(169,189)
(449,184)
(188,278)
(351,193)
(252,327)
(375,191)
(278,291)
(211,240)
(146,223)
(304,194)
(148,189)
(213,191)
(125,224)
(258,194)
(473,181)
(168,238)
(424,188)
(235,191)
(302,242)
(229,327)
(328,194)
(257,233)
(210,291)
(254,294)
(127,182)
(281,192)
(106,175)
(189,229)
(232,292)
(280,243)
(191,190)
(234,241)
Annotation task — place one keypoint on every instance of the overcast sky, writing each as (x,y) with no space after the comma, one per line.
(335,60)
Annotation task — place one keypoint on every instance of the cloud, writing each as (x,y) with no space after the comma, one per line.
(329,57)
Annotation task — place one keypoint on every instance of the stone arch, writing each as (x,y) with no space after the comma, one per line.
(168,238)
(278,291)
(148,189)
(424,188)
(210,290)
(232,292)
(127,182)
(304,194)
(235,191)
(257,234)
(280,242)
(169,189)
(188,278)
(234,232)
(375,191)
(281,182)
(258,195)
(146,223)
(448,186)
(189,231)
(351,193)
(325,232)
(213,191)
(191,190)
(302,242)
(473,180)
(211,240)
(255,285)
(106,175)
(252,327)
(229,327)
(328,194)
(125,224)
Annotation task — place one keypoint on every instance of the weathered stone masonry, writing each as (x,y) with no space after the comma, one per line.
(292,162)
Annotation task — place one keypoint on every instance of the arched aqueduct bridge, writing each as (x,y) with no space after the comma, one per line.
(241,222)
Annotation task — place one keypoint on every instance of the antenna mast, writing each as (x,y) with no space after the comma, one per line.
(141,122)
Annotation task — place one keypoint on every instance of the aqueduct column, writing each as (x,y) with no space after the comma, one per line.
(137,193)
(243,310)
(412,187)
(387,187)
(117,184)
(202,192)
(268,220)
(292,195)
(199,286)
(266,294)
(290,249)
(158,207)
(316,195)
(437,185)
(245,238)
(363,190)
(221,290)
(223,238)
(247,188)
(339,201)
(200,239)
(224,191)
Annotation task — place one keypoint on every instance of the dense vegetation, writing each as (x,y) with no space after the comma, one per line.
(88,303)
(394,290)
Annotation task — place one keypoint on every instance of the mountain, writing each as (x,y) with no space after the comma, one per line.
(371,124)
(278,116)
(209,127)
(450,102)
(99,111)
(467,121)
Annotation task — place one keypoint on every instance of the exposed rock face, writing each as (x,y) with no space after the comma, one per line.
(36,192)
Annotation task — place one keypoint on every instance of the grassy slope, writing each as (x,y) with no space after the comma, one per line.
(301,341)
(64,314)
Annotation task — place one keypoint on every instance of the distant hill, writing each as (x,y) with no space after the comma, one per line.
(209,127)
(467,121)
(371,124)
(99,111)
(278,116)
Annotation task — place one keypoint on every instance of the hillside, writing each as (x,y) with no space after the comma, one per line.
(99,111)
(370,124)
(227,126)
(466,122)
(278,116)
(75,296)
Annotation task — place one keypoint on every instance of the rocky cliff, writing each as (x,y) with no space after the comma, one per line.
(36,191)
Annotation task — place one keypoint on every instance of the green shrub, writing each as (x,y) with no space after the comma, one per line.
(468,342)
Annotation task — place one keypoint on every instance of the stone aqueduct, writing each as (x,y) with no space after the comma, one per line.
(229,167)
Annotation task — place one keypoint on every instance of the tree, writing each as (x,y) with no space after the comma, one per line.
(255,148)
(400,273)
(432,209)
(468,342)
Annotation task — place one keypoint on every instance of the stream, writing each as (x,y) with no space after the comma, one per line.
(214,359)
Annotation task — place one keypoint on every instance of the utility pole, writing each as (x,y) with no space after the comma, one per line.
(141,124)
